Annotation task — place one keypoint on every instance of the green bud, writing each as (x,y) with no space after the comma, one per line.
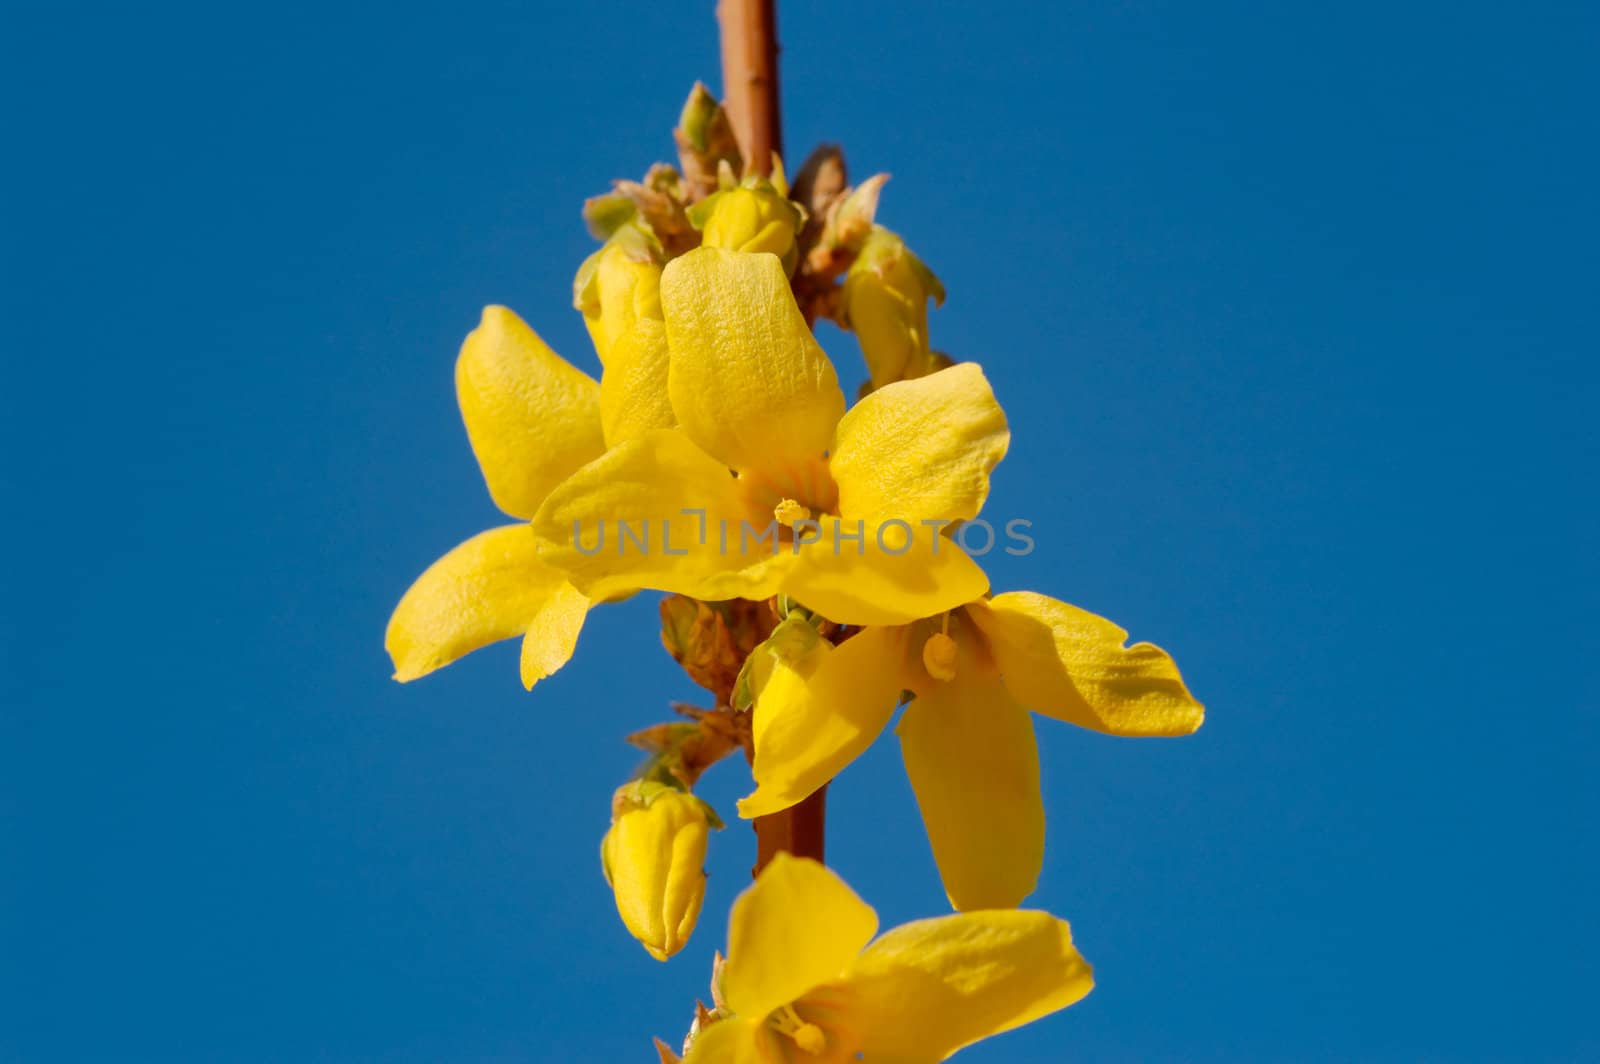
(606,214)
(695,120)
(705,141)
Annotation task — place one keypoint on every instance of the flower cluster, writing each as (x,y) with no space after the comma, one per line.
(816,582)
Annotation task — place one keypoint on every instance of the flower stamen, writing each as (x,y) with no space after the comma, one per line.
(939,656)
(808,1036)
(789,513)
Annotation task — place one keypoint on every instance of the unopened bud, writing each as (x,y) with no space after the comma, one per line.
(885,303)
(753,216)
(852,223)
(654,858)
(705,141)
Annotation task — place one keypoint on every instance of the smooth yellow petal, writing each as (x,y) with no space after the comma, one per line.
(1070,664)
(815,716)
(628,284)
(926,989)
(797,927)
(730,1041)
(895,580)
(552,633)
(633,388)
(532,417)
(597,336)
(485,590)
(970,753)
(748,381)
(920,450)
(659,513)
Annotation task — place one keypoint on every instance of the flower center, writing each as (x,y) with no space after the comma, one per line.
(939,657)
(805,489)
(788,513)
(808,1036)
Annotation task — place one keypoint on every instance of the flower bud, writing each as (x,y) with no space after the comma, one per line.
(753,216)
(654,858)
(706,142)
(885,302)
(618,285)
(852,223)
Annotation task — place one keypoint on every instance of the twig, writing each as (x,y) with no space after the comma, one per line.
(750,78)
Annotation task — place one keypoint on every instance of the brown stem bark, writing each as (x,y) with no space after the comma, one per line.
(798,830)
(750,78)
(750,94)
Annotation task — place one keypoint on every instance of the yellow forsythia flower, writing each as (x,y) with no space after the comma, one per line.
(885,303)
(806,981)
(654,858)
(532,419)
(966,737)
(752,391)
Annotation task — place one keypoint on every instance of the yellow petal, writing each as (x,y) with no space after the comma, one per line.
(1070,664)
(749,383)
(633,389)
(926,989)
(970,753)
(552,633)
(485,590)
(597,336)
(621,522)
(730,1041)
(628,285)
(815,716)
(858,581)
(797,927)
(922,449)
(531,416)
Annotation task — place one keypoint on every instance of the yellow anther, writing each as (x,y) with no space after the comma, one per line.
(808,1036)
(939,657)
(788,512)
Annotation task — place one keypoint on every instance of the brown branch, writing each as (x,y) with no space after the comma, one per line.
(798,830)
(750,94)
(750,78)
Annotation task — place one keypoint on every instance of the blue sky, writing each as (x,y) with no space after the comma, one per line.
(1292,308)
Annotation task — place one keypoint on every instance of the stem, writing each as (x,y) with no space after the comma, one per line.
(798,830)
(750,78)
(750,95)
